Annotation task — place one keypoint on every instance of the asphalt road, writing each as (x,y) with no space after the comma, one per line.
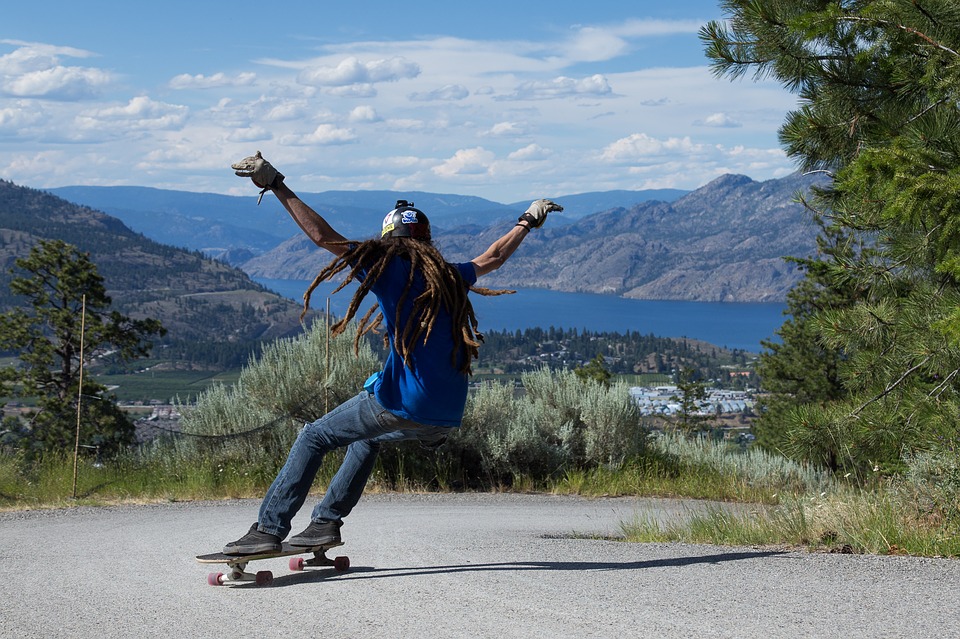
(438,566)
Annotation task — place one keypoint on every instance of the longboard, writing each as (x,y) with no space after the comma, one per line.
(238,563)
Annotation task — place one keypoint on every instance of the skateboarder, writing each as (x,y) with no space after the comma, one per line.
(422,388)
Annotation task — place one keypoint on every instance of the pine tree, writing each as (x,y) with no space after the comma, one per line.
(879,86)
(57,281)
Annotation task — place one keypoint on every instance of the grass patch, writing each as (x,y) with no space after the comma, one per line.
(873,521)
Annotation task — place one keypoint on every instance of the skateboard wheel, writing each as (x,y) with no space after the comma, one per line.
(213,579)
(296,563)
(264,577)
(341,563)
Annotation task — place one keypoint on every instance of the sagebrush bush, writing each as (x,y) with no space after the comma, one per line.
(755,466)
(932,480)
(560,422)
(288,385)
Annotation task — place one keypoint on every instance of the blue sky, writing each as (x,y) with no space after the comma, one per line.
(504,100)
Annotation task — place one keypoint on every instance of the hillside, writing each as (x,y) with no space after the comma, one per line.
(235,229)
(723,242)
(197,299)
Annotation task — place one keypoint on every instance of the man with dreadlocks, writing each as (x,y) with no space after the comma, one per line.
(431,331)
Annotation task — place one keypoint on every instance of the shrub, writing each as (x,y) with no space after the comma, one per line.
(559,423)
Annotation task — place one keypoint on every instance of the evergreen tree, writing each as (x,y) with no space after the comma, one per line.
(879,88)
(799,370)
(46,335)
(691,393)
(594,370)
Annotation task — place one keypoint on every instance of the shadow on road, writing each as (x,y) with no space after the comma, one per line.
(366,572)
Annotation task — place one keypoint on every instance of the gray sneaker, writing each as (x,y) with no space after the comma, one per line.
(318,533)
(253,543)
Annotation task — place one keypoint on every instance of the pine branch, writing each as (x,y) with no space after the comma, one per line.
(901,27)
(889,389)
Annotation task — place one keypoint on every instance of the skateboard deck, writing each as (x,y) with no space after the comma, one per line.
(238,563)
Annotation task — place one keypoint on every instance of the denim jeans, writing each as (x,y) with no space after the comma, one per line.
(361,424)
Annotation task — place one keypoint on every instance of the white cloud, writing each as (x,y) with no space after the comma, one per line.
(248,134)
(356,91)
(364,113)
(15,118)
(529,153)
(635,28)
(323,135)
(140,113)
(592,45)
(505,129)
(466,162)
(719,120)
(448,93)
(34,71)
(639,146)
(57,83)
(562,87)
(217,80)
(352,70)
(285,110)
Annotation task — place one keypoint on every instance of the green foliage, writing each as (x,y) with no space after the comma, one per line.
(595,371)
(879,89)
(298,378)
(67,316)
(754,467)
(559,424)
(932,480)
(800,370)
(526,351)
(690,393)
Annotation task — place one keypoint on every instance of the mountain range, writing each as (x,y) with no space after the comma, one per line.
(722,242)
(198,299)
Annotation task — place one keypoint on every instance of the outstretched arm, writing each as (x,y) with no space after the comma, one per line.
(501,250)
(310,222)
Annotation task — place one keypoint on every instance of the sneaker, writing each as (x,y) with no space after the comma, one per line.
(254,542)
(318,533)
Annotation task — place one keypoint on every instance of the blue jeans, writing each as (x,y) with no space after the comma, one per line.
(361,424)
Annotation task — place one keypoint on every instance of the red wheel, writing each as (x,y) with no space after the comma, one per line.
(296,563)
(341,563)
(264,577)
(214,579)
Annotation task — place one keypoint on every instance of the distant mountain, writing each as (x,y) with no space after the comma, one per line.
(583,204)
(196,298)
(723,242)
(235,229)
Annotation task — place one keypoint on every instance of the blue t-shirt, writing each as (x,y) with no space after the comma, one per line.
(432,390)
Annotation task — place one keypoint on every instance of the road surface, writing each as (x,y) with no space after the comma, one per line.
(441,566)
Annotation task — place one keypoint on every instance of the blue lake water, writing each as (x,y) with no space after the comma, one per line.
(722,324)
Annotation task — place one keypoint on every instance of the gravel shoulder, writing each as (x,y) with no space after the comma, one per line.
(473,565)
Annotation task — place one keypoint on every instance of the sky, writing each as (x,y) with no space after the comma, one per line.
(503,100)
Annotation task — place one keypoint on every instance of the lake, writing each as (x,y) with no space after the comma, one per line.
(730,325)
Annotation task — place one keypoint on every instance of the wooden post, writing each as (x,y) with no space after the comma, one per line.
(76,448)
(326,374)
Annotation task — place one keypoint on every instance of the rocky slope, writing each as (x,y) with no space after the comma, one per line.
(723,242)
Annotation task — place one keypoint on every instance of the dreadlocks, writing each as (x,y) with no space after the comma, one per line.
(445,289)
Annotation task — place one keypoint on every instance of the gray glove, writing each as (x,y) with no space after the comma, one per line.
(536,215)
(260,171)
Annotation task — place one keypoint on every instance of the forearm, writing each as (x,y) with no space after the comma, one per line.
(501,250)
(312,223)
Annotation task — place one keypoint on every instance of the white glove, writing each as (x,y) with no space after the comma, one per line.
(260,171)
(536,215)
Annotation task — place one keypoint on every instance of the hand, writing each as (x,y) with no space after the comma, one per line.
(259,170)
(536,215)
